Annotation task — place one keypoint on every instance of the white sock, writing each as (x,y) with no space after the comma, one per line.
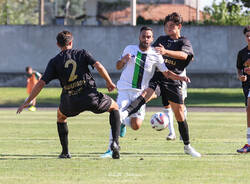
(169,113)
(248,135)
(123,115)
(127,122)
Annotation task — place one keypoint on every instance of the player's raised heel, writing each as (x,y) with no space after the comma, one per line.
(245,149)
(64,155)
(171,137)
(116,150)
(191,151)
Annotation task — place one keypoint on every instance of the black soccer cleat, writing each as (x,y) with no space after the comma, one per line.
(115,149)
(64,155)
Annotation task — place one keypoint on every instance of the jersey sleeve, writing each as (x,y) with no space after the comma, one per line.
(161,65)
(50,73)
(239,63)
(125,51)
(187,48)
(89,58)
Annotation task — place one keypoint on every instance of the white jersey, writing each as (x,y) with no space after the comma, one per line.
(140,68)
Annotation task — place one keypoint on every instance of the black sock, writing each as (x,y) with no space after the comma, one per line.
(135,105)
(183,129)
(114,120)
(63,131)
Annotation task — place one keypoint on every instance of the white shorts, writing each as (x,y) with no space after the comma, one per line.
(125,97)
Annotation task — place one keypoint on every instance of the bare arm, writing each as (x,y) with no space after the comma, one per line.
(173,76)
(35,91)
(171,53)
(120,64)
(104,74)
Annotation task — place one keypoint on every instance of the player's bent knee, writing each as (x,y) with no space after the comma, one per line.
(113,106)
(61,117)
(136,124)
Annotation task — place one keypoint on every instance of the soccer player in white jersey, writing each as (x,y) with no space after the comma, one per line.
(138,63)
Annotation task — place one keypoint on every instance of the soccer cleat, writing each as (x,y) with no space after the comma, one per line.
(171,137)
(123,130)
(64,155)
(191,151)
(107,154)
(115,148)
(245,149)
(32,108)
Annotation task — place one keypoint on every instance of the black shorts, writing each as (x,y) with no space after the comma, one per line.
(169,91)
(88,100)
(245,91)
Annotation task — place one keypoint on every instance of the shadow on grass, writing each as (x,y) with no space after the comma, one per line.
(96,155)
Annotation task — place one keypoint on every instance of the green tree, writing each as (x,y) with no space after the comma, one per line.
(18,12)
(227,13)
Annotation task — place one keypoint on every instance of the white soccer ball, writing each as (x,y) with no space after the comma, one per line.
(159,121)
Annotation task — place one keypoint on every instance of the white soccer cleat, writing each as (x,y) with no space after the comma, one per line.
(191,151)
(171,137)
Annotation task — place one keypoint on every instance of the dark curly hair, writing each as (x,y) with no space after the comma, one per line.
(64,38)
(246,29)
(174,17)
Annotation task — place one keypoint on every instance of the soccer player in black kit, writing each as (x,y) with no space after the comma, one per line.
(177,52)
(243,69)
(79,91)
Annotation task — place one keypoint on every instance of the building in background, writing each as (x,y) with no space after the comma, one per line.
(112,12)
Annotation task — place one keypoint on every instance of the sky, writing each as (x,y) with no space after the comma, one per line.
(204,3)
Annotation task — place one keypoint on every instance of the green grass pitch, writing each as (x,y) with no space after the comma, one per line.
(29,146)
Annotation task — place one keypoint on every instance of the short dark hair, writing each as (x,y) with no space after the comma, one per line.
(146,28)
(174,17)
(246,29)
(27,68)
(64,38)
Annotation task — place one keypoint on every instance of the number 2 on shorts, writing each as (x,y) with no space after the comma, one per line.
(73,75)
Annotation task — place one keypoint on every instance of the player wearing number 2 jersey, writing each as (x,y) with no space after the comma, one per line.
(79,91)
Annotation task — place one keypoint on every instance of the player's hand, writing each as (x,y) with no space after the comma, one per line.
(110,86)
(185,79)
(126,58)
(243,78)
(160,49)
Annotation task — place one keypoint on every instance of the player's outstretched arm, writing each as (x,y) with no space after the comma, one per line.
(120,64)
(35,91)
(173,76)
(104,74)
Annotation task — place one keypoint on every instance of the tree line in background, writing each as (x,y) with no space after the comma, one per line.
(233,12)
